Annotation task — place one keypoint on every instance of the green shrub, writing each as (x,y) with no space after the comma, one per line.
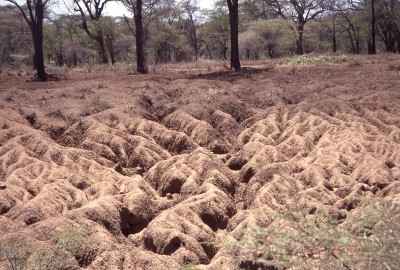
(188,266)
(311,59)
(15,252)
(368,238)
(73,248)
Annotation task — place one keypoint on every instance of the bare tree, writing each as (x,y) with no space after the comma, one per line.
(69,25)
(14,33)
(348,11)
(388,24)
(300,12)
(260,9)
(33,13)
(372,49)
(214,33)
(191,24)
(92,10)
(233,7)
(331,25)
(136,7)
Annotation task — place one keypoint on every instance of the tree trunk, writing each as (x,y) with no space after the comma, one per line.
(38,41)
(102,48)
(334,43)
(60,59)
(256,54)
(334,35)
(196,53)
(209,52)
(373,28)
(224,52)
(270,53)
(110,48)
(75,59)
(233,6)
(389,41)
(353,47)
(357,45)
(140,57)
(299,40)
(397,37)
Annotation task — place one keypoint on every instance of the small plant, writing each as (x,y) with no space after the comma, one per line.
(85,90)
(96,105)
(32,118)
(57,113)
(4,125)
(189,266)
(71,246)
(369,238)
(15,252)
(102,85)
(77,242)
(310,60)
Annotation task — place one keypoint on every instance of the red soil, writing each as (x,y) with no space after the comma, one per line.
(157,166)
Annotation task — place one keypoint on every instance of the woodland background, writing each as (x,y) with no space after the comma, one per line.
(179,31)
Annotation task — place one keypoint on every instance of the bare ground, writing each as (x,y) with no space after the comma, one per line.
(157,166)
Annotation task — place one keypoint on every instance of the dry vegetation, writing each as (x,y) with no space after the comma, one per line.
(108,170)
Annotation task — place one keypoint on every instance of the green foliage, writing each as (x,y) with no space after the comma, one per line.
(272,38)
(97,104)
(379,224)
(72,248)
(324,238)
(324,58)
(15,252)
(189,266)
(169,44)
(14,39)
(77,241)
(176,31)
(214,33)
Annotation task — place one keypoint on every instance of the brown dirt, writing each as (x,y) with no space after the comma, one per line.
(160,165)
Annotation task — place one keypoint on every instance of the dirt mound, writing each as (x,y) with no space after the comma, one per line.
(155,171)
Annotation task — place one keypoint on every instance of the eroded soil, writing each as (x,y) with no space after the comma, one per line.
(159,165)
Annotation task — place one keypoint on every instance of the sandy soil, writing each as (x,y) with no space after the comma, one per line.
(158,165)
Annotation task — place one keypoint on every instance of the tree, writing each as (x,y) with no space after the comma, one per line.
(300,12)
(330,24)
(249,41)
(259,9)
(14,35)
(136,7)
(233,6)
(273,34)
(110,33)
(190,25)
(92,10)
(388,24)
(350,15)
(214,32)
(373,29)
(169,44)
(54,41)
(74,45)
(33,13)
